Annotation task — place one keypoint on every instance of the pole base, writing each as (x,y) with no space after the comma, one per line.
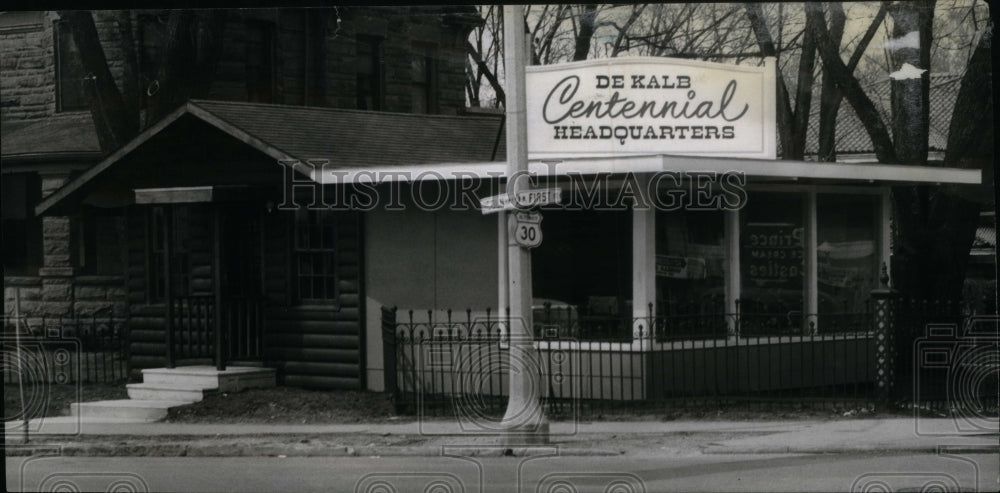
(527,434)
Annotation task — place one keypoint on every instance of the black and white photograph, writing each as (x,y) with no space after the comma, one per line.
(546,248)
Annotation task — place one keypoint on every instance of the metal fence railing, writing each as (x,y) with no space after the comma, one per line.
(446,362)
(65,349)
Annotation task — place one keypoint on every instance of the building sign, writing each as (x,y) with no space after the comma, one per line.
(646,105)
(773,254)
(680,267)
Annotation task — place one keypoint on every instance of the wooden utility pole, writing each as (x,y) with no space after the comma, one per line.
(524,422)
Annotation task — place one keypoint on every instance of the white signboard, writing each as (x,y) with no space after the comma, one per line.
(646,105)
(526,228)
(525,199)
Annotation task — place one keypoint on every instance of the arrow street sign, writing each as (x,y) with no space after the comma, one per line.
(525,199)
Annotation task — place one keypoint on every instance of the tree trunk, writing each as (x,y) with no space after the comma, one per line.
(112,121)
(830,98)
(850,87)
(587,19)
(803,96)
(785,117)
(934,245)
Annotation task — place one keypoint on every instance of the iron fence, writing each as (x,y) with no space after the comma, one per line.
(65,349)
(447,362)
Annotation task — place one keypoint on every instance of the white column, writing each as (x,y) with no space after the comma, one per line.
(732,275)
(643,265)
(811,269)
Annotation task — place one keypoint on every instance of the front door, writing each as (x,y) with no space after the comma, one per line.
(242,309)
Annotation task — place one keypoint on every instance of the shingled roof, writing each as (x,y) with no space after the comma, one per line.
(353,138)
(69,135)
(851,135)
(344,138)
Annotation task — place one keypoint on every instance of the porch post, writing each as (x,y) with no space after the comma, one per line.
(643,266)
(732,273)
(811,318)
(220,362)
(168,240)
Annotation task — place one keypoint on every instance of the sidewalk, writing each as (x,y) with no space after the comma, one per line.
(102,438)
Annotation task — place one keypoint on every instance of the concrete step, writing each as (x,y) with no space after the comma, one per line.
(232,379)
(166,392)
(125,409)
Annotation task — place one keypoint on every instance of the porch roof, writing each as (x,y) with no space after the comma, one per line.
(348,139)
(755,169)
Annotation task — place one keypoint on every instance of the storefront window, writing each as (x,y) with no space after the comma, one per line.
(772,254)
(847,260)
(690,274)
(582,275)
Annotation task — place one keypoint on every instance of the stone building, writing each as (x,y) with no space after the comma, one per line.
(394,60)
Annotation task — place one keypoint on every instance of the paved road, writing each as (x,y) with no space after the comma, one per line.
(668,472)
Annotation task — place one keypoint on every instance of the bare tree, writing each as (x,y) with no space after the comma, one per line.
(193,47)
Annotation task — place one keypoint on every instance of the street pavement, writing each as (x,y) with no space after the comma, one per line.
(437,437)
(551,474)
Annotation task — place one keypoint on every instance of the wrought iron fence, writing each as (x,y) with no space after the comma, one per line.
(65,349)
(447,362)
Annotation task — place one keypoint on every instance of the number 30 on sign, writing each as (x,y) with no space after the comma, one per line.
(526,228)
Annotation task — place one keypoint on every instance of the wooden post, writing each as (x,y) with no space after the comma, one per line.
(524,421)
(168,240)
(220,362)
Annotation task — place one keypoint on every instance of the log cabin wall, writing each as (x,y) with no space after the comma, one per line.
(314,346)
(193,276)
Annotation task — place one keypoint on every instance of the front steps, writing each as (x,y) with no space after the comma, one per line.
(166,388)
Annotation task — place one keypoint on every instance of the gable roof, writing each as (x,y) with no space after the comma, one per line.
(355,138)
(344,138)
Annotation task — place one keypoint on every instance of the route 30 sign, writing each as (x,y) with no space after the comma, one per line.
(526,228)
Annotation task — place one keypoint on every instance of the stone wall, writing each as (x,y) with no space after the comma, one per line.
(59,290)
(28,65)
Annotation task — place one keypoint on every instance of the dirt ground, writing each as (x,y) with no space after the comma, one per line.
(286,405)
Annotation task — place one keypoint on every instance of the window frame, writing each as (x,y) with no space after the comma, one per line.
(328,253)
(376,76)
(60,58)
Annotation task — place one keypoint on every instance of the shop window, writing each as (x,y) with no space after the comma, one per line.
(423,84)
(314,257)
(71,94)
(369,73)
(690,274)
(772,255)
(22,230)
(180,265)
(582,275)
(260,72)
(847,255)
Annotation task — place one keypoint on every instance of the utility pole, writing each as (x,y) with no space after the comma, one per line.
(524,421)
